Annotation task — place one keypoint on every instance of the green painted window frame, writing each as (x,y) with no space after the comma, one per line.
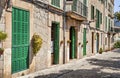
(92,12)
(56,3)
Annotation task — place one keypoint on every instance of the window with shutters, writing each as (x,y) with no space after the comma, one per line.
(92,12)
(106,23)
(100,18)
(109,23)
(56,3)
(85,2)
(20,39)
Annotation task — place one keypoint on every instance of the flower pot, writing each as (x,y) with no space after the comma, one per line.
(1,52)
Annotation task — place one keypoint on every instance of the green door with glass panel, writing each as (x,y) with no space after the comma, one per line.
(20,39)
(56,28)
(84,42)
(73,43)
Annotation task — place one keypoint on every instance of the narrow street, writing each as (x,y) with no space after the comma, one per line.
(106,65)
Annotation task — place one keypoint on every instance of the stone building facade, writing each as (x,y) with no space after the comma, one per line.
(73,31)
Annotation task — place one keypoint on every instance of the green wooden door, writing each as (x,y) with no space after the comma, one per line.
(20,39)
(56,42)
(73,43)
(84,42)
(97,42)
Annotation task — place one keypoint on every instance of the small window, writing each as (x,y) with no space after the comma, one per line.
(92,12)
(56,3)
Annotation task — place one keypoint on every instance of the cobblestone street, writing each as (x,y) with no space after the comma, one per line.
(106,65)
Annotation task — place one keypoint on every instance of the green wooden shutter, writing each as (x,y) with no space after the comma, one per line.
(97,43)
(73,42)
(84,42)
(20,39)
(101,17)
(56,42)
(106,23)
(85,2)
(98,19)
(109,25)
(92,12)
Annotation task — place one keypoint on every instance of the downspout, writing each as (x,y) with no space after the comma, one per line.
(64,26)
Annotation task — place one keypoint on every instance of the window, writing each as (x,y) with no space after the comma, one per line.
(109,25)
(56,3)
(98,19)
(101,38)
(106,23)
(105,41)
(85,2)
(92,12)
(106,3)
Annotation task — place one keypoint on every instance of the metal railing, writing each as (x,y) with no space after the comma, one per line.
(80,8)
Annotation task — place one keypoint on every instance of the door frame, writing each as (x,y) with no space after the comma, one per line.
(84,41)
(73,45)
(92,42)
(97,42)
(55,55)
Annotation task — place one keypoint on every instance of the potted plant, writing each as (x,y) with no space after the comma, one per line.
(68,41)
(3,36)
(86,41)
(61,42)
(101,50)
(79,43)
(36,43)
(82,45)
(1,51)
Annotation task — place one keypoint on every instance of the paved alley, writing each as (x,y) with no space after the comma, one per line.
(106,65)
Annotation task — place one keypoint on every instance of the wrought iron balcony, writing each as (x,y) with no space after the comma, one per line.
(78,7)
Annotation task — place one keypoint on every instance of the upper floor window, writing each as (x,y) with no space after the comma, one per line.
(56,3)
(85,2)
(92,12)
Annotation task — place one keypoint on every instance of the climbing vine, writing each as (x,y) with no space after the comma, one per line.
(36,43)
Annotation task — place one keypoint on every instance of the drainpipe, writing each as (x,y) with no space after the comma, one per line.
(64,26)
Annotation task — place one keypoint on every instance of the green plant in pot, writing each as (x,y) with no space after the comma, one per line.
(36,43)
(100,50)
(3,36)
(1,51)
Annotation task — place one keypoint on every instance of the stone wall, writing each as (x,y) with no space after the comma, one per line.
(2,28)
(41,28)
